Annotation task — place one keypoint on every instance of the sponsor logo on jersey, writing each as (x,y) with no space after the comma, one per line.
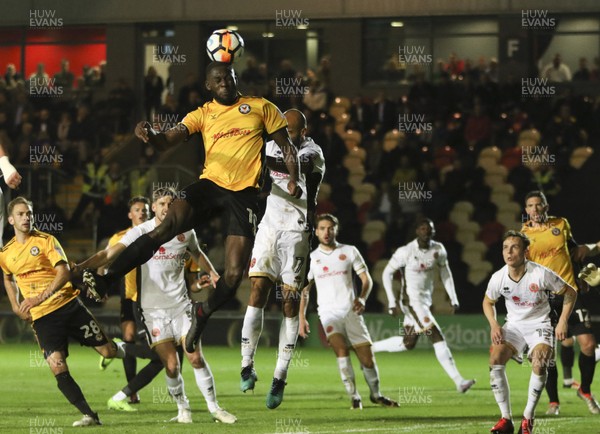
(232,132)
(244,109)
(35,250)
(516,299)
(326,269)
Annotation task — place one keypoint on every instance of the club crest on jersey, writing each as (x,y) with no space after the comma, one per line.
(555,231)
(155,332)
(181,238)
(35,250)
(252,262)
(162,250)
(436,255)
(343,257)
(244,109)
(534,287)
(326,269)
(329,329)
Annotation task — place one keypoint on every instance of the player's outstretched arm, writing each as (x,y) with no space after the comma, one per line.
(304,330)
(489,310)
(63,275)
(290,158)
(570,295)
(174,136)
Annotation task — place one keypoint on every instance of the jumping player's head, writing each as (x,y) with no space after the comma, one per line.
(20,215)
(425,230)
(514,247)
(326,229)
(221,81)
(296,126)
(161,200)
(536,206)
(139,210)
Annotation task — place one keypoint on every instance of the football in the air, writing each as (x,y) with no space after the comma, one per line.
(225,46)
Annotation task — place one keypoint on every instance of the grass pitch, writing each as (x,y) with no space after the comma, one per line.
(315,400)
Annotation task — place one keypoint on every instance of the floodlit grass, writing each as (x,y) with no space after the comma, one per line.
(315,399)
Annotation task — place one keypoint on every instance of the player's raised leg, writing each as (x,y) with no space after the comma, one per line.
(237,255)
(179,218)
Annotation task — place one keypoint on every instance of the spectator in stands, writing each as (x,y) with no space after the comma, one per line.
(316,97)
(153,88)
(386,116)
(595,72)
(190,84)
(492,70)
(332,145)
(583,73)
(478,129)
(40,76)
(557,71)
(82,132)
(252,75)
(5,124)
(93,190)
(361,115)
(122,101)
(324,71)
(65,78)
(44,126)
(24,141)
(12,76)
(421,94)
(455,66)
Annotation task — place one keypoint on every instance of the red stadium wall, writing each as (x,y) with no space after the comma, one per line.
(51,56)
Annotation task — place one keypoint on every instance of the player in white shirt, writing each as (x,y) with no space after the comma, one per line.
(340,311)
(280,252)
(591,274)
(526,288)
(420,261)
(166,307)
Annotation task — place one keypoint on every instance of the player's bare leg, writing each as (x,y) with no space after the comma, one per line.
(175,384)
(444,356)
(252,329)
(179,218)
(338,344)
(371,373)
(237,255)
(587,365)
(57,362)
(206,383)
(288,335)
(499,355)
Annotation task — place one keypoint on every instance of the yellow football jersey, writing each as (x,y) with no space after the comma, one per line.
(549,247)
(32,265)
(131,277)
(233,139)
